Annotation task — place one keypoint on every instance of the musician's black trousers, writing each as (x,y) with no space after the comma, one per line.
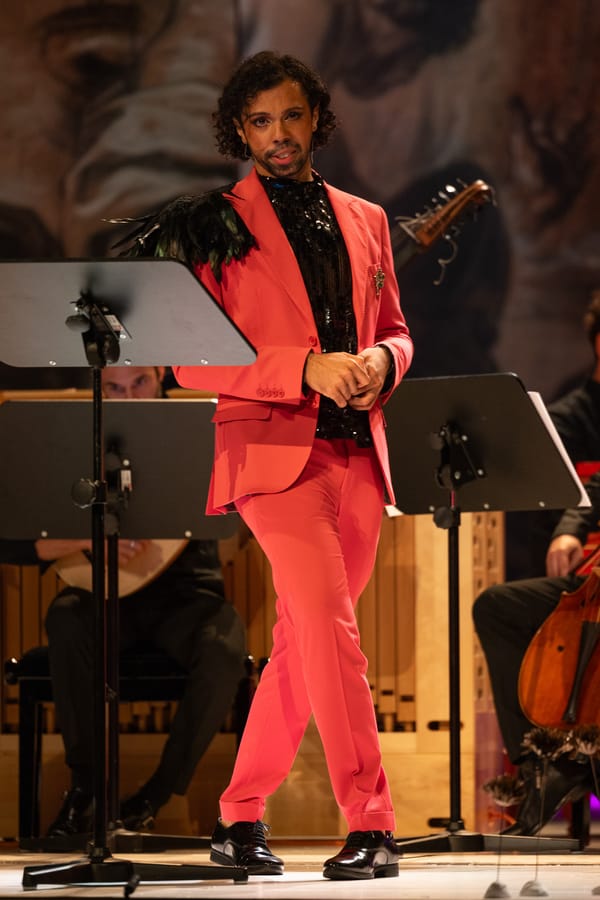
(506,618)
(203,633)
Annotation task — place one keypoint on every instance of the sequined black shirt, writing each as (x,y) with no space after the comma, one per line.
(308,220)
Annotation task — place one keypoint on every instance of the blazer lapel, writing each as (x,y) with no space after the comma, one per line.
(350,218)
(251,202)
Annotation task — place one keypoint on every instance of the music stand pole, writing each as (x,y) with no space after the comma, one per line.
(112,676)
(102,329)
(99,851)
(456,822)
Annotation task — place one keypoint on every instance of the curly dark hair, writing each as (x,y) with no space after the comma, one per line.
(261,72)
(591,319)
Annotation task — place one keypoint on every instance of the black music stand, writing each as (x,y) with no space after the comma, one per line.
(36,483)
(483,439)
(158,313)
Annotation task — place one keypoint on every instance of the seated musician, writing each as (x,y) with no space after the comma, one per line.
(183,612)
(507,617)
(576,417)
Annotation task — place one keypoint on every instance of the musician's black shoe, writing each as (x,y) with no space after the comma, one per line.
(137,813)
(75,816)
(565,781)
(366,854)
(244,844)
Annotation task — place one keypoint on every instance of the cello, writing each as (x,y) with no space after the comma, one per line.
(559,679)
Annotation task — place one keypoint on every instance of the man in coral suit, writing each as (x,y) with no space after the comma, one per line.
(305,271)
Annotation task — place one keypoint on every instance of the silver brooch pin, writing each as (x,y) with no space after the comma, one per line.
(379,280)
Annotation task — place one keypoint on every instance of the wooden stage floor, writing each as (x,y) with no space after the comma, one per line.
(439,876)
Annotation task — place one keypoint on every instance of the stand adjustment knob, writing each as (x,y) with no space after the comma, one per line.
(83,492)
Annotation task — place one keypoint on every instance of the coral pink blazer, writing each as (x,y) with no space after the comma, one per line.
(264,422)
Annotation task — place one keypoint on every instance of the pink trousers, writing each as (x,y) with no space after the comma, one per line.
(320,536)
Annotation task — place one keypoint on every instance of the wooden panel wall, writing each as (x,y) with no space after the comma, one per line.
(25,597)
(403,616)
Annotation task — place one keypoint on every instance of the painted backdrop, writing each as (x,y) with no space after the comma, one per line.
(105,111)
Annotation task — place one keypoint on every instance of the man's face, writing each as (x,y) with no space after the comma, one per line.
(132,383)
(277,126)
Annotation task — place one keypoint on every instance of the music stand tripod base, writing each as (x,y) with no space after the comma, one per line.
(120,840)
(125,872)
(474,842)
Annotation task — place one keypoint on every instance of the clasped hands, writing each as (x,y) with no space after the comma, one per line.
(348,379)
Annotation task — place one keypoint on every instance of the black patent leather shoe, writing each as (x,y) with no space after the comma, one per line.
(137,813)
(244,844)
(563,782)
(366,854)
(75,816)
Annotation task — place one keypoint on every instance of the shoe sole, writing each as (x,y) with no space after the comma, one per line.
(338,873)
(262,869)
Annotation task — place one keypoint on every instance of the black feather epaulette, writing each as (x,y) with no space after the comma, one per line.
(204,228)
